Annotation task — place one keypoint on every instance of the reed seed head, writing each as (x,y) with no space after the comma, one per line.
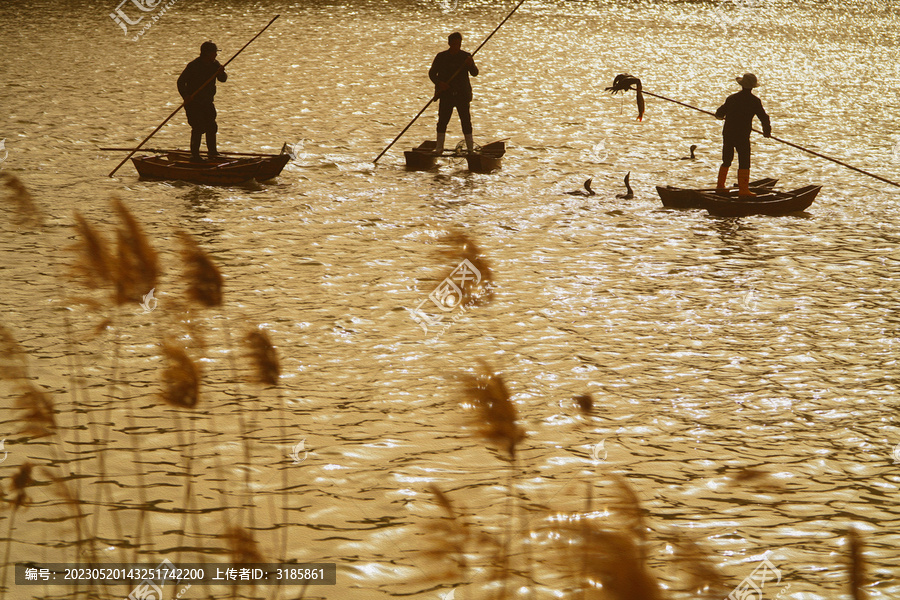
(205,282)
(585,403)
(460,247)
(39,419)
(263,356)
(181,377)
(96,263)
(26,210)
(137,262)
(496,412)
(242,546)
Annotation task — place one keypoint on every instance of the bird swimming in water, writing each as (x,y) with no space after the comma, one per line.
(623,83)
(691,157)
(628,195)
(587,191)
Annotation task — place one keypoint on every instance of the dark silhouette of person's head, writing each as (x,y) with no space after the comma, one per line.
(208,50)
(454,40)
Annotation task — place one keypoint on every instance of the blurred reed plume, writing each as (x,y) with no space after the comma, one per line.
(25,209)
(609,558)
(12,358)
(585,403)
(857,565)
(263,356)
(703,577)
(242,547)
(96,262)
(496,414)
(39,419)
(20,482)
(137,263)
(181,378)
(462,247)
(21,479)
(205,283)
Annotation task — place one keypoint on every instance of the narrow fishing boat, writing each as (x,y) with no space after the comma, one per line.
(484,160)
(674,197)
(770,203)
(222,170)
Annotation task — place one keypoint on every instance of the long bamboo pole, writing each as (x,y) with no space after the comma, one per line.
(174,112)
(435,97)
(791,144)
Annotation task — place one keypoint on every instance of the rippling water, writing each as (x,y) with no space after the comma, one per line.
(710,345)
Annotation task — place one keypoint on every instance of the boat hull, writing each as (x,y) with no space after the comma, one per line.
(486,160)
(674,197)
(772,203)
(218,171)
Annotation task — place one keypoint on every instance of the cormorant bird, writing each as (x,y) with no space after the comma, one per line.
(630,193)
(691,157)
(587,191)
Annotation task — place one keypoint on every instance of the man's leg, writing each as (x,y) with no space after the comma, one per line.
(743,150)
(445,110)
(727,158)
(465,120)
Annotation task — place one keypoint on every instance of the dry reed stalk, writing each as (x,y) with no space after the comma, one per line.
(137,264)
(857,565)
(267,370)
(26,209)
(19,484)
(462,247)
(205,282)
(496,414)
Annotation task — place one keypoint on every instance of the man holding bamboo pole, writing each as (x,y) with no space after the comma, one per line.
(197,85)
(738,112)
(450,74)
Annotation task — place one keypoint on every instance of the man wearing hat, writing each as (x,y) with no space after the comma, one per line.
(201,112)
(738,112)
(450,74)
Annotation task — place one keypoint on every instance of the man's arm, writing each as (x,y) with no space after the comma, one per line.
(221,75)
(764,119)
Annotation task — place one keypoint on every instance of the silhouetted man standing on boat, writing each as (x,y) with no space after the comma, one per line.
(201,112)
(738,112)
(450,74)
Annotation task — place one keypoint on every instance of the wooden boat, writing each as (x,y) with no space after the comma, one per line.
(223,170)
(486,160)
(771,203)
(674,197)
